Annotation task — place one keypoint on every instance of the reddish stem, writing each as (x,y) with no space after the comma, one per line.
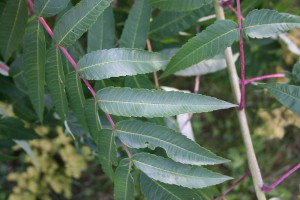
(271,187)
(248,174)
(4,68)
(242,55)
(44,23)
(251,80)
(30,3)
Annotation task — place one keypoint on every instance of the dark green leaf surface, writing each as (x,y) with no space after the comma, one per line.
(137,25)
(170,172)
(107,151)
(13,128)
(55,80)
(34,65)
(76,97)
(12,22)
(268,23)
(92,117)
(207,44)
(48,8)
(104,64)
(138,134)
(102,34)
(296,72)
(288,95)
(179,5)
(151,103)
(78,20)
(156,190)
(124,183)
(138,81)
(168,24)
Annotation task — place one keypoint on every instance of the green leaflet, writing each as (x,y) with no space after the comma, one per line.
(138,81)
(76,97)
(268,23)
(48,8)
(107,151)
(168,24)
(13,23)
(102,34)
(179,5)
(13,128)
(92,117)
(207,44)
(137,25)
(124,183)
(212,65)
(34,65)
(138,134)
(78,20)
(55,80)
(104,64)
(151,103)
(165,191)
(170,172)
(288,95)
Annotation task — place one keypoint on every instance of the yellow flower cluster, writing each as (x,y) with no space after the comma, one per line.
(274,122)
(50,175)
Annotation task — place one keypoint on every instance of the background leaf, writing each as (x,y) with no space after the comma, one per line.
(288,95)
(107,151)
(48,8)
(124,183)
(150,103)
(13,23)
(78,20)
(268,23)
(179,5)
(207,44)
(34,64)
(102,34)
(76,97)
(138,81)
(104,64)
(156,190)
(170,172)
(55,80)
(92,117)
(138,134)
(137,25)
(168,24)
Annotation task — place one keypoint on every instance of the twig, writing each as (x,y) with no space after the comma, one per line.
(272,186)
(250,80)
(149,47)
(234,79)
(248,174)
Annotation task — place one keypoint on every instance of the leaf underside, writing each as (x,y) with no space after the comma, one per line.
(151,103)
(170,172)
(138,134)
